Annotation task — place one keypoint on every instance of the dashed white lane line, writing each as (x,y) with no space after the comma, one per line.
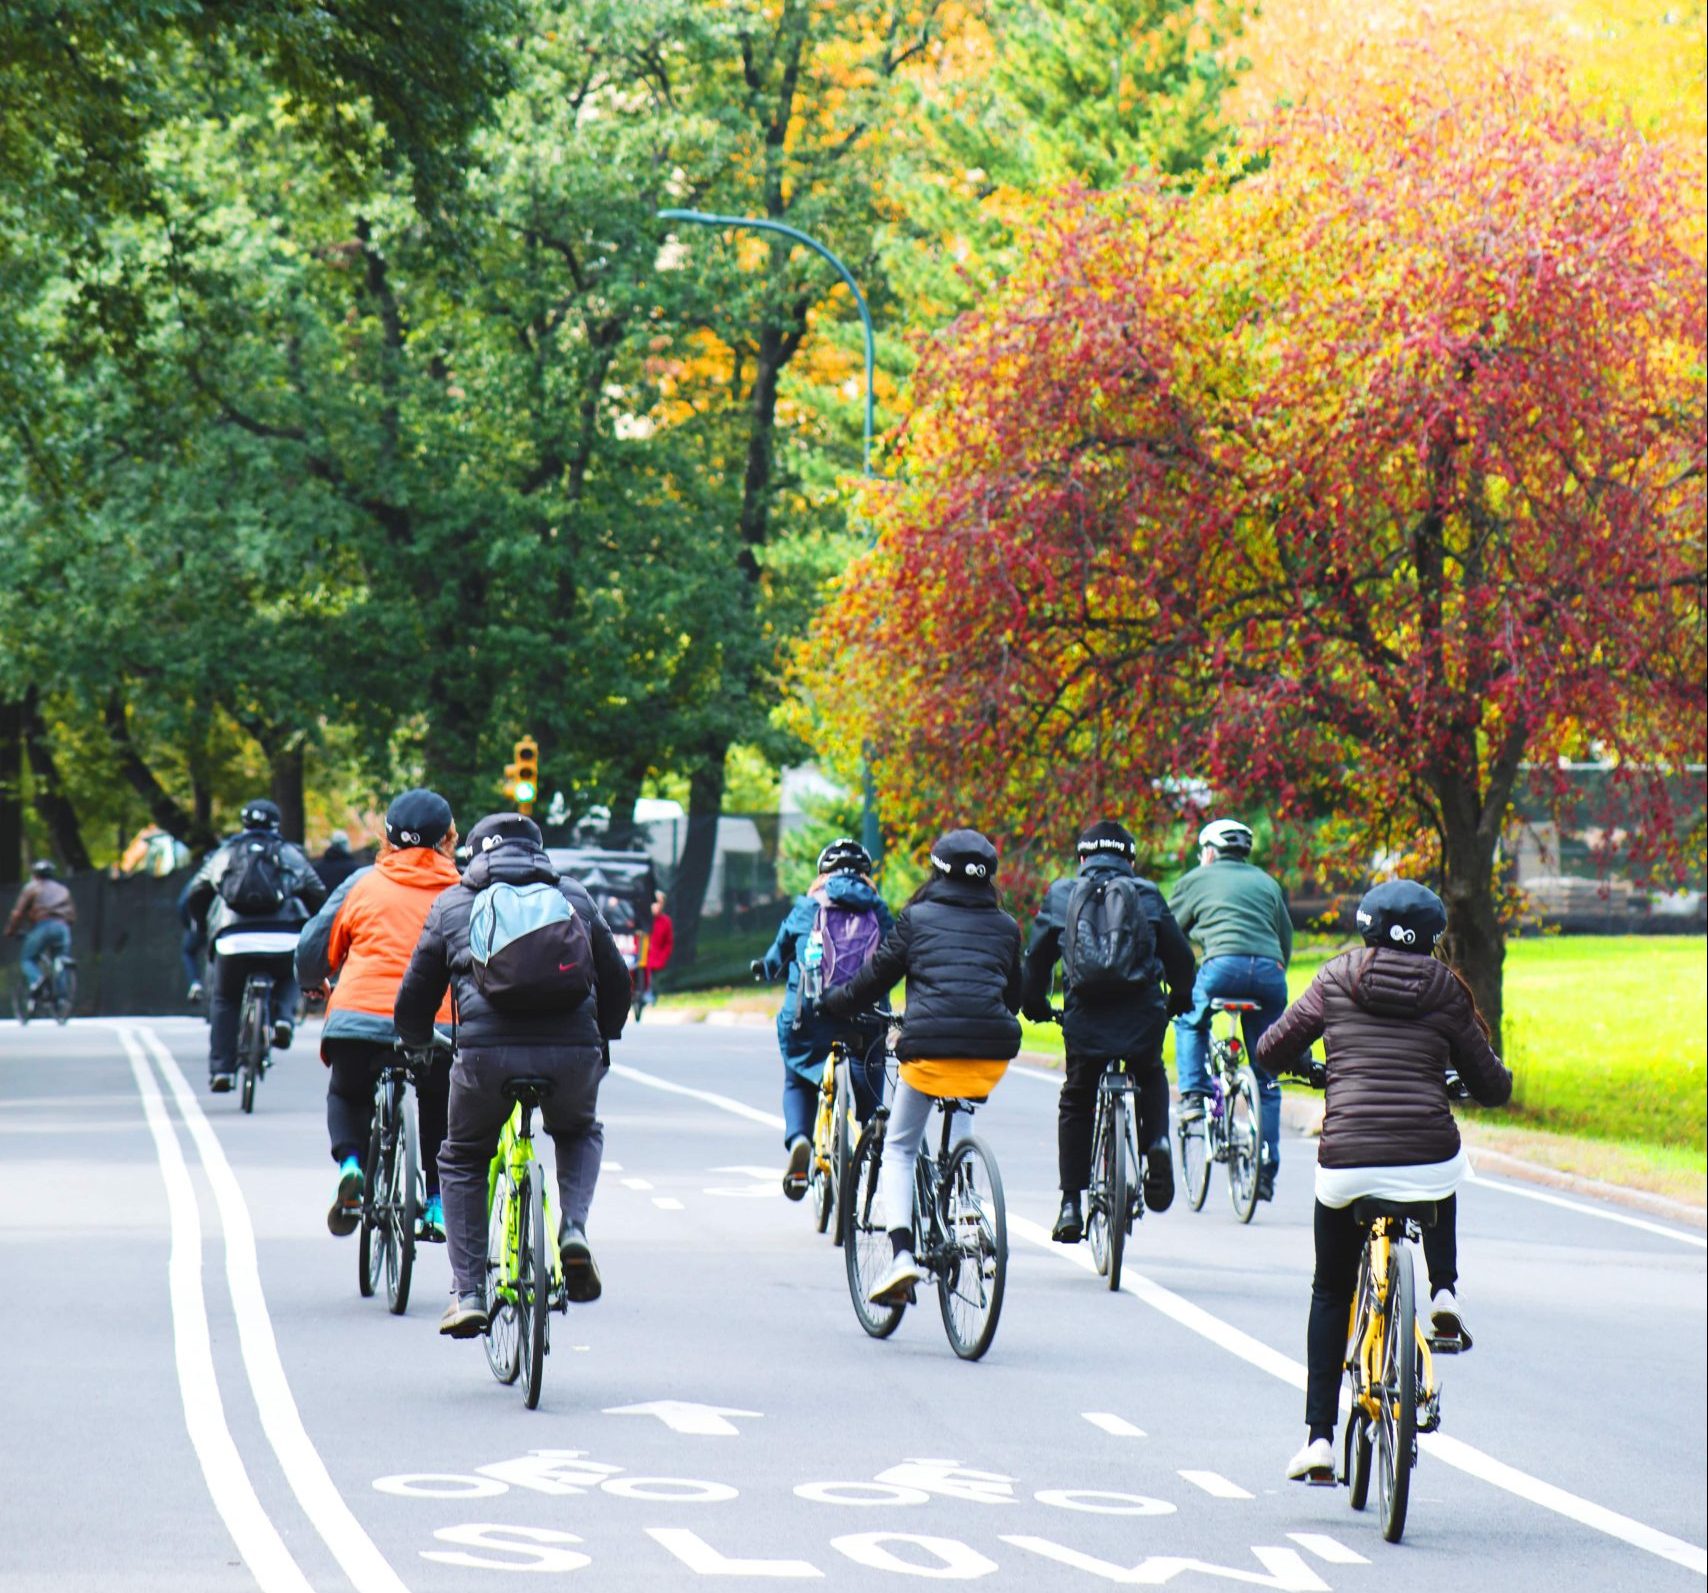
(636,1183)
(1696,1240)
(1115,1426)
(1326,1548)
(228,1483)
(368,1569)
(667,1203)
(1463,1457)
(1214,1484)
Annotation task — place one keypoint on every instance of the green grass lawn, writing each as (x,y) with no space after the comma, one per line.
(1605,1036)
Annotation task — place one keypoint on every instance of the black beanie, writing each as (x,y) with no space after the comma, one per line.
(1106,838)
(496,828)
(417,818)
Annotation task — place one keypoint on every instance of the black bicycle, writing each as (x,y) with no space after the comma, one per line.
(254,1037)
(1113,1200)
(391,1189)
(960,1233)
(54,993)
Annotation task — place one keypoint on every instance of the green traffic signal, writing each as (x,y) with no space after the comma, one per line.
(525,791)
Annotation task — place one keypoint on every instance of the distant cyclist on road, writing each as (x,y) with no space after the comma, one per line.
(1237,913)
(821,943)
(364,936)
(1393,1021)
(960,954)
(253,894)
(43,914)
(539,990)
(1118,945)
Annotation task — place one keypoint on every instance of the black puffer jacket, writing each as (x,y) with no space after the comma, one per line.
(442,955)
(1128,1025)
(960,954)
(1392,1023)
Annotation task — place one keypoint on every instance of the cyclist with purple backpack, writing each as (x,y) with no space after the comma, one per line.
(827,934)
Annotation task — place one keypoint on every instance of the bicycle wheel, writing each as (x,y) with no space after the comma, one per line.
(1355,1463)
(370,1236)
(1245,1146)
(1396,1435)
(533,1286)
(842,1151)
(1195,1162)
(1097,1206)
(819,1178)
(971,1210)
(65,997)
(503,1336)
(248,1039)
(402,1204)
(1120,1208)
(866,1248)
(21,1001)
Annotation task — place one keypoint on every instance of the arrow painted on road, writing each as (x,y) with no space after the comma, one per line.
(682,1416)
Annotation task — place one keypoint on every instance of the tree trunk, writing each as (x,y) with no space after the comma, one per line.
(688,894)
(163,809)
(51,802)
(1475,942)
(287,791)
(11,793)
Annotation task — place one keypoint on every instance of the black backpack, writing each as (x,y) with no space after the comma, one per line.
(1108,941)
(255,882)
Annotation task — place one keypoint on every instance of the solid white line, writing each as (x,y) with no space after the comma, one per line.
(722,1102)
(228,1483)
(1027,1071)
(1214,1484)
(1700,1241)
(1327,1548)
(306,1472)
(1115,1426)
(1254,1352)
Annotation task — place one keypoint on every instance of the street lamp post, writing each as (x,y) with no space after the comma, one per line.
(869,835)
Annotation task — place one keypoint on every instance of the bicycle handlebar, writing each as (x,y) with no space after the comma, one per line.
(1317,1079)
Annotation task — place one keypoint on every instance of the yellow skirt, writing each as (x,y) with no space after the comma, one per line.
(959,1079)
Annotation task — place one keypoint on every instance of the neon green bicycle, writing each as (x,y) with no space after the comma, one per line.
(524,1277)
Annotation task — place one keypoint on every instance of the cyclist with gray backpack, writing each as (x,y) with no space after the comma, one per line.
(538,990)
(821,943)
(253,894)
(1125,968)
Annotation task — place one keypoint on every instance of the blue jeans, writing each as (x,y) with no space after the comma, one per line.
(800,1099)
(1259,979)
(50,935)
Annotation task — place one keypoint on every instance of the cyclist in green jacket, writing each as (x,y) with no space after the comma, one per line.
(1238,914)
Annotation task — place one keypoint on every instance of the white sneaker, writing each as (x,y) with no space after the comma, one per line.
(897,1284)
(1447,1318)
(1313,1464)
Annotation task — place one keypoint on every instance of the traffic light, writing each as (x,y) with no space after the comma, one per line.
(525,773)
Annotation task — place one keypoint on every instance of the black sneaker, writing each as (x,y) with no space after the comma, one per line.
(1159,1176)
(580,1272)
(281,1036)
(795,1175)
(220,1083)
(1191,1106)
(1266,1183)
(464,1318)
(1070,1226)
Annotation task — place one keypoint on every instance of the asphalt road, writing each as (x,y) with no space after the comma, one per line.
(193,1396)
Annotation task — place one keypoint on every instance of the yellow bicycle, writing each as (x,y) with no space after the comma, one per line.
(835,1131)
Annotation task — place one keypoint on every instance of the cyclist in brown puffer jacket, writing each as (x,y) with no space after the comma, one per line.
(1394,1022)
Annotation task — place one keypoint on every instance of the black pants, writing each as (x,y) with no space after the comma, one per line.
(230,975)
(1078,1109)
(355,1066)
(1340,1242)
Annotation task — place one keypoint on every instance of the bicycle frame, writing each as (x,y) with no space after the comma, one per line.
(1366,1331)
(515,1155)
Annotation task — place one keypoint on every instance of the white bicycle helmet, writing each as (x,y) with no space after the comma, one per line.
(1228,836)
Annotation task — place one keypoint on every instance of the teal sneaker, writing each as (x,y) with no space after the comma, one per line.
(432,1224)
(346,1213)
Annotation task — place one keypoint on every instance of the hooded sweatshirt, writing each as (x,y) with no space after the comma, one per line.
(1392,1023)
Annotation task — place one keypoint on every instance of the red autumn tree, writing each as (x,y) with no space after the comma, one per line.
(1360,484)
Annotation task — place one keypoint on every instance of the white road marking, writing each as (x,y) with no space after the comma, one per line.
(367,1569)
(1026,1071)
(610,1167)
(702,1559)
(683,1416)
(228,1484)
(1115,1426)
(1214,1484)
(636,1183)
(1283,1569)
(1699,1241)
(667,1203)
(1254,1352)
(1326,1548)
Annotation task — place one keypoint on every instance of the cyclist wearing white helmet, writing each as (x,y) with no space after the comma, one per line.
(1238,914)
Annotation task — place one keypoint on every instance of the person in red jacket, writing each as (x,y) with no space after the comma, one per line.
(1394,1020)
(660,942)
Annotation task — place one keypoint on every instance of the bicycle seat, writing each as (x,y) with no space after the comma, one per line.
(1221,1004)
(527,1090)
(946,1103)
(1371,1209)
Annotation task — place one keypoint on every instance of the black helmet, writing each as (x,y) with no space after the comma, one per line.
(1229,837)
(964,854)
(44,868)
(1403,916)
(1105,838)
(261,814)
(845,856)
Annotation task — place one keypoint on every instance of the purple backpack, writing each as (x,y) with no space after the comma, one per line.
(841,939)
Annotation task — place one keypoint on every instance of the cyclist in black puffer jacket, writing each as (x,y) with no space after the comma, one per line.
(960,954)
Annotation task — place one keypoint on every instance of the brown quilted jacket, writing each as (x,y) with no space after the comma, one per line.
(1392,1023)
